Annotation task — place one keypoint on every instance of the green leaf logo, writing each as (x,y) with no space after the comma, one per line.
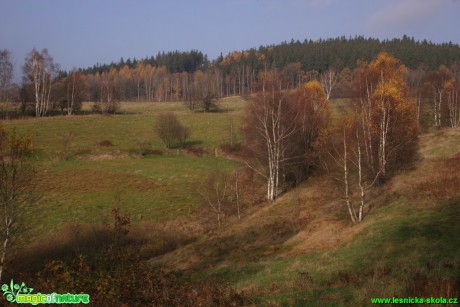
(12,290)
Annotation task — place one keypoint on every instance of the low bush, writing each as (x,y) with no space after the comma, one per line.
(170,130)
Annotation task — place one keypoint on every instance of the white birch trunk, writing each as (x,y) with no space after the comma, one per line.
(453,106)
(360,179)
(345,175)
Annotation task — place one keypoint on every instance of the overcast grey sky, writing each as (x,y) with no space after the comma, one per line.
(85,32)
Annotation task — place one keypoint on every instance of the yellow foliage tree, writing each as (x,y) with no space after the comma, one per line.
(388,118)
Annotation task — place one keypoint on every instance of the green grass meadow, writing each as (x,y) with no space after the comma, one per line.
(82,182)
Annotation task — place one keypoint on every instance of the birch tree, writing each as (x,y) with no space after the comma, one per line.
(160,80)
(40,70)
(451,88)
(235,186)
(435,84)
(108,100)
(416,88)
(328,81)
(139,73)
(312,115)
(271,120)
(149,86)
(342,156)
(387,116)
(125,75)
(76,91)
(281,129)
(215,193)
(363,183)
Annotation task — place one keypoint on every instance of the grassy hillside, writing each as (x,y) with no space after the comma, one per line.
(300,250)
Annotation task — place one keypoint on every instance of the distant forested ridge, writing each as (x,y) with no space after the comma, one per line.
(318,55)
(340,53)
(175,61)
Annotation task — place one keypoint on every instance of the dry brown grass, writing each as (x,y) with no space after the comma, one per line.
(308,219)
(441,143)
(105,156)
(325,221)
(436,174)
(425,286)
(443,178)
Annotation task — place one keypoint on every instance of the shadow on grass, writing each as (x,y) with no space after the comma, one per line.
(410,255)
(253,244)
(215,110)
(437,232)
(186,144)
(74,239)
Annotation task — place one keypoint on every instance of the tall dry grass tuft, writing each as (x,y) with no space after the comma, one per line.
(424,286)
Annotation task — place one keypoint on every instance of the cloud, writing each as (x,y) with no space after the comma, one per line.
(406,13)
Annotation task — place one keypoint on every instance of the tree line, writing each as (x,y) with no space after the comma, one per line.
(432,74)
(174,61)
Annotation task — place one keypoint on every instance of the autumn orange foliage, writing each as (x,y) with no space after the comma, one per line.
(388,117)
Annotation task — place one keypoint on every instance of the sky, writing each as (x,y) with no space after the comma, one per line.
(81,33)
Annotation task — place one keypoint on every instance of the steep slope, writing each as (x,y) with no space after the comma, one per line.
(302,248)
